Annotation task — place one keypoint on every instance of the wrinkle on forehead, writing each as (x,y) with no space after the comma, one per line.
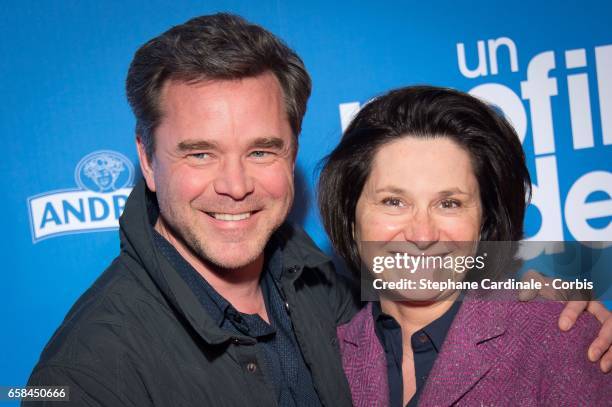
(423,164)
(211,109)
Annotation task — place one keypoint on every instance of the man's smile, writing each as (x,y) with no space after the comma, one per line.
(229,216)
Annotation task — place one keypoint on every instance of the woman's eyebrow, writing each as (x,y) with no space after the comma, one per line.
(392,189)
(453,191)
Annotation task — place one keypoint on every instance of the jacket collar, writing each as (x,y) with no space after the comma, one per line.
(136,233)
(469,350)
(364,360)
(298,249)
(359,332)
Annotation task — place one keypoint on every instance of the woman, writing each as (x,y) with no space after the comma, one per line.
(431,169)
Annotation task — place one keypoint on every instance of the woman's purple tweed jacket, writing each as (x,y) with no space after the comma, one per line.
(495,354)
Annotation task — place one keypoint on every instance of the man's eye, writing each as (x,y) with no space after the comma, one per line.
(450,204)
(199,156)
(260,154)
(392,202)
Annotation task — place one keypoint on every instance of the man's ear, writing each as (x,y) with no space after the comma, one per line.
(146,166)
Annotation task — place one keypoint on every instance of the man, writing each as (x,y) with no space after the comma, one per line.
(214,300)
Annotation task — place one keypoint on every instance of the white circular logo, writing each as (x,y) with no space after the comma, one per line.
(104,171)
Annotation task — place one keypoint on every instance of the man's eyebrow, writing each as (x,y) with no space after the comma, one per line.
(276,143)
(190,145)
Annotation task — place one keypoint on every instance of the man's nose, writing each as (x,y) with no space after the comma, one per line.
(422,230)
(233,180)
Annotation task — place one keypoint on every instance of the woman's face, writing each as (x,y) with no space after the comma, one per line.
(421,198)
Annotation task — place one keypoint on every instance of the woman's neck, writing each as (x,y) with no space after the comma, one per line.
(413,316)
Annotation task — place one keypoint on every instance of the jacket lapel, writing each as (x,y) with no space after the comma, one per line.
(364,360)
(468,353)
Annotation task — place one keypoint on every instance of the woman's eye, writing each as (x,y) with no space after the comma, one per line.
(392,202)
(450,204)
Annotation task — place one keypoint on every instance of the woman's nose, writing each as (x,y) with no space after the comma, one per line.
(421,230)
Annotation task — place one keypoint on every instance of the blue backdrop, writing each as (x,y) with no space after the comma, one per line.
(546,65)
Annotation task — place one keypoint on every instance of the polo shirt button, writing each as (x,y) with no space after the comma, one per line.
(251,367)
(423,338)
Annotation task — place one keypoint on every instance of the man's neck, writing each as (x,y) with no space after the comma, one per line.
(240,286)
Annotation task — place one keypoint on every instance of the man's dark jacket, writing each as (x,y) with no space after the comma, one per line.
(140,337)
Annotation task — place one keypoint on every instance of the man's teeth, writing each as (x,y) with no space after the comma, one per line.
(230,217)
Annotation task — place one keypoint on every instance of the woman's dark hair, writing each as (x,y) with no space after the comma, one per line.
(215,47)
(495,150)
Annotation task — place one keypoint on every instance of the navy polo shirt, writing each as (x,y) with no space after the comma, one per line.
(284,367)
(426,344)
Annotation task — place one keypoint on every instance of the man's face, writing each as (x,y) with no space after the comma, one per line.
(222,168)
